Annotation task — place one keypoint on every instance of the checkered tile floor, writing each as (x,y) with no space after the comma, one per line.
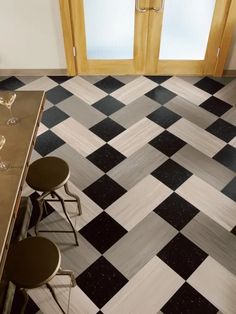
(153,160)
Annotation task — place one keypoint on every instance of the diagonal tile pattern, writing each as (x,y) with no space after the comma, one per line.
(153,160)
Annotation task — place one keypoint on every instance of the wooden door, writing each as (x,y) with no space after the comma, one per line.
(110,36)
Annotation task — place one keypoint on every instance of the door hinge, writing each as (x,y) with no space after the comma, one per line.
(218,52)
(74,51)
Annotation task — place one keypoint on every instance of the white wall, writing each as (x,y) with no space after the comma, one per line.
(31,35)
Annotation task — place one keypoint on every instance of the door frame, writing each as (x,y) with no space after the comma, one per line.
(85,66)
(216,56)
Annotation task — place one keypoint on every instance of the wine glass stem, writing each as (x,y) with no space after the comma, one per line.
(11,112)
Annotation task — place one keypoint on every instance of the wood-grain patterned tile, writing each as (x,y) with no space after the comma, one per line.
(133,169)
(210,201)
(135,111)
(204,167)
(132,139)
(197,137)
(186,90)
(81,111)
(86,143)
(212,239)
(227,93)
(139,201)
(84,90)
(83,172)
(138,246)
(191,112)
(42,83)
(143,293)
(216,284)
(134,90)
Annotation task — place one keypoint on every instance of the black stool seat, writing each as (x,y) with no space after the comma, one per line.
(48,174)
(33,262)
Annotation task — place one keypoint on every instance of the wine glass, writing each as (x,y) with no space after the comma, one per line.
(7,100)
(3,164)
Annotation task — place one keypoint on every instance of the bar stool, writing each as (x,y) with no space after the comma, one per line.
(32,263)
(46,175)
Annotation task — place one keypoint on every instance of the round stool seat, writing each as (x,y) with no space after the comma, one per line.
(33,262)
(48,174)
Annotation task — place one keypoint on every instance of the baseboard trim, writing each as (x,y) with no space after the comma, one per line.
(229,73)
(32,72)
(57,72)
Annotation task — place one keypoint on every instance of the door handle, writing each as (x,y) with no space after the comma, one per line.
(138,9)
(157,10)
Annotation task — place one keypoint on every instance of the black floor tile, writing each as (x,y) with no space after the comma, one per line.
(176,211)
(47,143)
(11,83)
(104,191)
(53,116)
(188,301)
(164,117)
(161,94)
(57,94)
(227,157)
(230,189)
(106,157)
(102,232)
(60,79)
(109,84)
(107,129)
(234,231)
(167,143)
(101,281)
(171,174)
(216,106)
(158,79)
(208,85)
(182,255)
(222,129)
(108,105)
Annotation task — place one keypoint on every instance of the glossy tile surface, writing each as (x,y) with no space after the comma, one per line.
(153,162)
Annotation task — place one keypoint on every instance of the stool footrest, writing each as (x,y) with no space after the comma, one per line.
(57,231)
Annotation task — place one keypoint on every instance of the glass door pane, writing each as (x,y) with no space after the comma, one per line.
(109,29)
(185,29)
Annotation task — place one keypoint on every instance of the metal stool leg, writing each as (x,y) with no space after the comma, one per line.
(40,201)
(67,216)
(26,299)
(54,297)
(68,192)
(66,272)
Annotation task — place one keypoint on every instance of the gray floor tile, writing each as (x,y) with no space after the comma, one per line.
(83,172)
(135,111)
(204,167)
(76,258)
(27,79)
(230,116)
(81,111)
(213,239)
(93,78)
(125,78)
(191,112)
(136,248)
(137,166)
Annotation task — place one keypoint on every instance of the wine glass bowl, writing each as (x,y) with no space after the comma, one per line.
(3,164)
(7,99)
